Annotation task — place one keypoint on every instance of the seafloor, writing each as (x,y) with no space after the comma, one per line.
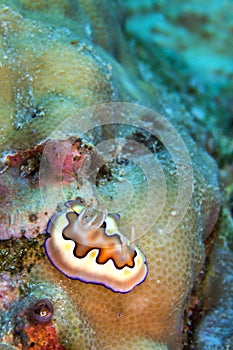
(125,108)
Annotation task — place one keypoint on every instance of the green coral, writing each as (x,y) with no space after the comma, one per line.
(48,72)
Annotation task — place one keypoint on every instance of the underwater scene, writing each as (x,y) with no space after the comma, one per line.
(116,175)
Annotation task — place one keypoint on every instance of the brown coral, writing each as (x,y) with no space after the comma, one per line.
(35,98)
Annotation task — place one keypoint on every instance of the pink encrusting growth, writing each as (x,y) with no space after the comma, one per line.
(86,244)
(64,159)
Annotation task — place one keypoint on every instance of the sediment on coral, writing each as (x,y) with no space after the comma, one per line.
(58,58)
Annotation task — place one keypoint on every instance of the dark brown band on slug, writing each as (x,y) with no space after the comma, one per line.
(109,246)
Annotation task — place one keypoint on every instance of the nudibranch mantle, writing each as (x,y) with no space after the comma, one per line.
(93,250)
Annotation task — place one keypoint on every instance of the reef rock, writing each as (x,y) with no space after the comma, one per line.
(58,59)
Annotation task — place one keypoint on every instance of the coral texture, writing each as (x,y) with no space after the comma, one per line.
(48,73)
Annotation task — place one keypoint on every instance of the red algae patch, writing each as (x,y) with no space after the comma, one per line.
(43,337)
(22,210)
(67,155)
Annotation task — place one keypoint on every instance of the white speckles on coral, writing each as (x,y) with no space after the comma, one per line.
(43,75)
(155,308)
(77,76)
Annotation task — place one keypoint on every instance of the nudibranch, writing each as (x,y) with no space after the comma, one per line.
(86,244)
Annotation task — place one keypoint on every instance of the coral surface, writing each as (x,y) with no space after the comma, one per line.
(57,60)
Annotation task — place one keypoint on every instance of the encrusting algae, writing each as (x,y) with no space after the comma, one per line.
(50,77)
